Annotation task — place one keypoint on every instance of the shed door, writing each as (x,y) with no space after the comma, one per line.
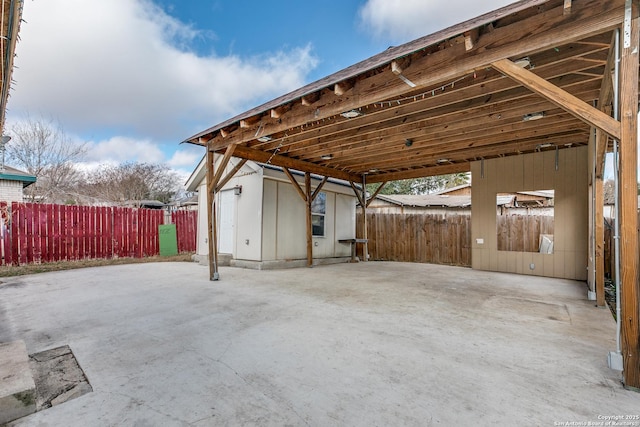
(227,222)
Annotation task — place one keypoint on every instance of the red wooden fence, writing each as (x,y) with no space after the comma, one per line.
(186,228)
(35,233)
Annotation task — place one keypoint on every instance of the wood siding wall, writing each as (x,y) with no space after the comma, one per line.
(568,176)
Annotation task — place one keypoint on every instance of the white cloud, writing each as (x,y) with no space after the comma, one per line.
(186,157)
(122,66)
(122,149)
(404,20)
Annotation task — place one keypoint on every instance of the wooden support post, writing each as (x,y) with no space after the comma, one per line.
(365,245)
(307,187)
(213,178)
(599,240)
(629,292)
(211,218)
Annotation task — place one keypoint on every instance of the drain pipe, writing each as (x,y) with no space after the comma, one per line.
(615,358)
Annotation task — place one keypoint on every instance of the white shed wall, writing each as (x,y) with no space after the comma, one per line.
(284,226)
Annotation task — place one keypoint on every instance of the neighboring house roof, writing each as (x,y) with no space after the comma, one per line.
(151,204)
(188,201)
(548,194)
(12,174)
(452,189)
(436,200)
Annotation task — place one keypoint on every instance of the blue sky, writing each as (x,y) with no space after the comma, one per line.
(133,78)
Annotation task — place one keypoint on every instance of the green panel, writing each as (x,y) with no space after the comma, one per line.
(168,240)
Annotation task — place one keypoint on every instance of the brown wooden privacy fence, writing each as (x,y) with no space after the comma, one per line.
(521,233)
(429,238)
(35,233)
(443,238)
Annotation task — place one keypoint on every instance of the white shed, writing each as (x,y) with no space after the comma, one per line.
(261,218)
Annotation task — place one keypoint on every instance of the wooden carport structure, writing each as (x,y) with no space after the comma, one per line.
(464,94)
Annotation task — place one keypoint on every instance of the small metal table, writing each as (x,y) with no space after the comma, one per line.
(353,243)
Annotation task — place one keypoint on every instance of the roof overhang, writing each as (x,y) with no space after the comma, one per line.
(432,106)
(11,15)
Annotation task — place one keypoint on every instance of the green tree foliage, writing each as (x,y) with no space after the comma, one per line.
(426,185)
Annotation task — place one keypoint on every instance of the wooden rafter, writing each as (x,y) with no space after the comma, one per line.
(223,164)
(562,99)
(375,193)
(551,29)
(230,175)
(295,184)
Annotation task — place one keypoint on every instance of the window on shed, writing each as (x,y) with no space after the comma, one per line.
(318,210)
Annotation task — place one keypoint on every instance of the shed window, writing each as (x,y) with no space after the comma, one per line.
(318,210)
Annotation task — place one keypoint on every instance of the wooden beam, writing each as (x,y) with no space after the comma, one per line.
(230,175)
(629,201)
(341,88)
(248,122)
(400,64)
(542,31)
(559,97)
(356,191)
(295,184)
(319,188)
(228,153)
(440,109)
(276,113)
(276,160)
(605,105)
(211,219)
(567,7)
(471,38)
(307,187)
(375,193)
(310,99)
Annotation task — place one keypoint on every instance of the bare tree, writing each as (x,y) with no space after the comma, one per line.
(41,147)
(132,182)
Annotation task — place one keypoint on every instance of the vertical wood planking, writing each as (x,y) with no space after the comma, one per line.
(107,231)
(6,233)
(15,233)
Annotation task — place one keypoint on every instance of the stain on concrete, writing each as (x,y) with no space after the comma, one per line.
(27,399)
(58,377)
(7,285)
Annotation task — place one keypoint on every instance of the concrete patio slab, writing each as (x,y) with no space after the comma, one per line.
(369,344)
(17,389)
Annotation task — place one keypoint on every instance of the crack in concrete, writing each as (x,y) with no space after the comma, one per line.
(140,402)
